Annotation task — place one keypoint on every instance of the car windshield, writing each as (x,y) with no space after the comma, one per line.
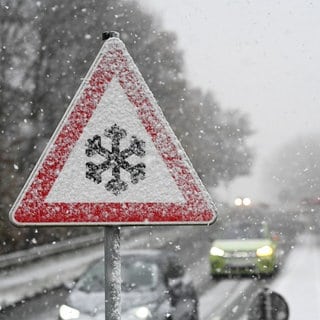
(139,275)
(135,275)
(243,232)
(93,279)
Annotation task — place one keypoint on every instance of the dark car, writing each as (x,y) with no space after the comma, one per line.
(154,286)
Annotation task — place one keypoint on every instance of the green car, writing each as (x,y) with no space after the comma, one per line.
(244,249)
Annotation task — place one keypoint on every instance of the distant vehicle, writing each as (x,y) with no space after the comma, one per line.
(244,249)
(315,201)
(154,286)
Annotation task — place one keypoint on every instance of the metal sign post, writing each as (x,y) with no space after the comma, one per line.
(112,268)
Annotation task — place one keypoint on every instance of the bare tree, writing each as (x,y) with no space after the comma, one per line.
(293,173)
(47,47)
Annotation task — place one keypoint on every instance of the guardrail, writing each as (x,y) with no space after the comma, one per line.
(39,252)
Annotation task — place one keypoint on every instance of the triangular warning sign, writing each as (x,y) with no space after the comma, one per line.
(113,159)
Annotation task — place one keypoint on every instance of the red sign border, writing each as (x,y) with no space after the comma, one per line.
(31,208)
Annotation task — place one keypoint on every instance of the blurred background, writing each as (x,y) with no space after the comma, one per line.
(238,82)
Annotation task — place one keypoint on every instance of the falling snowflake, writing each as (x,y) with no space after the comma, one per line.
(115,159)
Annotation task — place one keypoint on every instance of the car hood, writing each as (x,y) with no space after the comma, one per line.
(93,303)
(241,245)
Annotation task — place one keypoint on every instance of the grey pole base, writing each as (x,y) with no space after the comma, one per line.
(112,273)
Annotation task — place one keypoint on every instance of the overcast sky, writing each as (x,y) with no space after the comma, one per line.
(262,57)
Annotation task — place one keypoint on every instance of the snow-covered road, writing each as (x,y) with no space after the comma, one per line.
(299,280)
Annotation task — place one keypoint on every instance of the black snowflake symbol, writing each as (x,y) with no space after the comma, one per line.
(115,159)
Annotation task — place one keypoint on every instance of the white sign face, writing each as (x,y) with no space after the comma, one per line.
(113,158)
(157,185)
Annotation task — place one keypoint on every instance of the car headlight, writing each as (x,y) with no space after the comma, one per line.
(140,313)
(264,251)
(215,251)
(68,313)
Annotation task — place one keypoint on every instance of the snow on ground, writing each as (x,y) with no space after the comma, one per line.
(299,281)
(221,296)
(33,278)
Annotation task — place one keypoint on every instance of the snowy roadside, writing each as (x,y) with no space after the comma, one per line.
(299,282)
(26,280)
(216,300)
(226,304)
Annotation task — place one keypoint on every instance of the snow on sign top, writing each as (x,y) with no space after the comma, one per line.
(113,159)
